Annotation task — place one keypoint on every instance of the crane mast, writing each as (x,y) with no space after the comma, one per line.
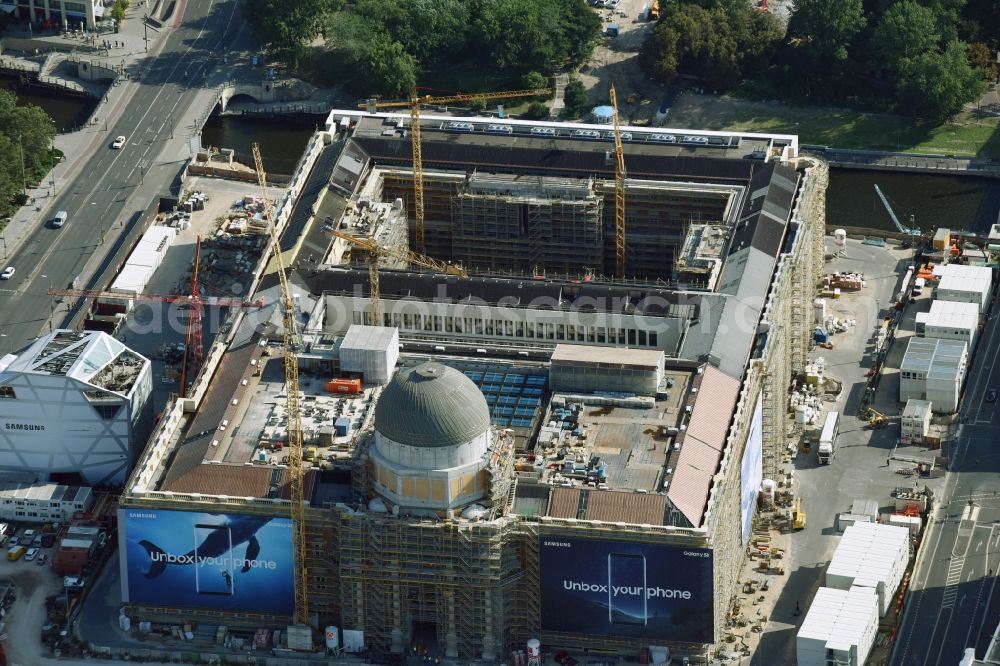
(619,191)
(375,251)
(419,233)
(290,347)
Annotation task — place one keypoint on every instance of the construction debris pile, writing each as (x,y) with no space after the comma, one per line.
(845,281)
(245,217)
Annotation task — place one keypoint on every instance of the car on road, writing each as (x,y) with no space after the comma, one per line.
(7,274)
(118,142)
(31,554)
(60,219)
(991,395)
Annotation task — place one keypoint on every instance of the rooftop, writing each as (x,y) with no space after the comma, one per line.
(951,314)
(956,277)
(939,359)
(88,356)
(621,358)
(840,618)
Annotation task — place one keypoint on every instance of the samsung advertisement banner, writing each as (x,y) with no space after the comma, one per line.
(623,589)
(207,560)
(752,470)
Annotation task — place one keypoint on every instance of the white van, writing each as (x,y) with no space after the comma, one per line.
(60,219)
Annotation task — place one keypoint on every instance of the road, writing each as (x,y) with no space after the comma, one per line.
(954,602)
(113,185)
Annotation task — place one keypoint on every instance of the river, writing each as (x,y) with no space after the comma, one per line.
(968,203)
(66,112)
(282,142)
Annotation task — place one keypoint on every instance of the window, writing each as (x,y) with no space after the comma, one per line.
(8,392)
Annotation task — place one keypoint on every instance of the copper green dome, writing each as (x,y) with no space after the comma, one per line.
(431,405)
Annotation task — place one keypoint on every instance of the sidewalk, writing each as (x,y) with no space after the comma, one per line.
(79,146)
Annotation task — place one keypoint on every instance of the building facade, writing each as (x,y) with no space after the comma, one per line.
(74,406)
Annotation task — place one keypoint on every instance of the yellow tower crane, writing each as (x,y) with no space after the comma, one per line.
(290,347)
(619,191)
(418,166)
(376,251)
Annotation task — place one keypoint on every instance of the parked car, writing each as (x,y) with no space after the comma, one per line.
(48,540)
(7,274)
(31,554)
(41,559)
(73,582)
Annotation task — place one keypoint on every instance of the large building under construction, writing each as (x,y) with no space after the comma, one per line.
(555,455)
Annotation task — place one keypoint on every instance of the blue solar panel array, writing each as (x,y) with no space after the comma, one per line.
(513,398)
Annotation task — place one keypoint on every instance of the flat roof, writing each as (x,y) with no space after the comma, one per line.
(956,277)
(841,618)
(649,359)
(372,338)
(940,359)
(951,314)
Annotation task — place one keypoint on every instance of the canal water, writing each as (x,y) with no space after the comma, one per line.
(966,203)
(66,112)
(282,141)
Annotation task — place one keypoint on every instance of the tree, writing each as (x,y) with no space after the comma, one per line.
(575,98)
(430,30)
(906,30)
(389,68)
(536,111)
(981,58)
(25,131)
(934,86)
(721,45)
(286,27)
(118,11)
(826,28)
(533,80)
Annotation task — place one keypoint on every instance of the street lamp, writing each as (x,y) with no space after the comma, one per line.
(20,150)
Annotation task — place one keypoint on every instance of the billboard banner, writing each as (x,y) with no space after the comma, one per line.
(752,470)
(183,559)
(632,590)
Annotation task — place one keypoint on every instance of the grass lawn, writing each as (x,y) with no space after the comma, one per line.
(845,128)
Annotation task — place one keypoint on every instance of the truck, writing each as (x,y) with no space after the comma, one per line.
(828,438)
(918,286)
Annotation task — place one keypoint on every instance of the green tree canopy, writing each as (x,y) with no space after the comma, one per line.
(936,85)
(906,30)
(25,132)
(430,30)
(721,45)
(285,27)
(826,29)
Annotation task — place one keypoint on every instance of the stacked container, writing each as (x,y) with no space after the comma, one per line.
(871,555)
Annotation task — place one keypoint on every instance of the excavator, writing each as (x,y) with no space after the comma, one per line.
(876,419)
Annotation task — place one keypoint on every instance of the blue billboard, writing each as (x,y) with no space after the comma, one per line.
(752,470)
(219,561)
(631,590)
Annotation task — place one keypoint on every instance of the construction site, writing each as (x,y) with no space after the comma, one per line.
(528,395)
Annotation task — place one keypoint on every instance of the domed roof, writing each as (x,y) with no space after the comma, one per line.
(431,405)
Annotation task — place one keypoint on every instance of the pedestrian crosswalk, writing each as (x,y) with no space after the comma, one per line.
(951,582)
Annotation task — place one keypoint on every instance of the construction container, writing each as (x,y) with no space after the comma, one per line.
(871,555)
(912,523)
(342,426)
(840,627)
(351,386)
(371,350)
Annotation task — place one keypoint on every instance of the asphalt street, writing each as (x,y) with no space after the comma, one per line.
(954,602)
(114,185)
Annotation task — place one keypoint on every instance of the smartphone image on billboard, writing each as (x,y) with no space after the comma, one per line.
(627,599)
(213,570)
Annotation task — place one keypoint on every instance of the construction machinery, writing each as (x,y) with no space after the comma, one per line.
(414,103)
(375,251)
(194,303)
(619,191)
(799,516)
(290,347)
(876,419)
